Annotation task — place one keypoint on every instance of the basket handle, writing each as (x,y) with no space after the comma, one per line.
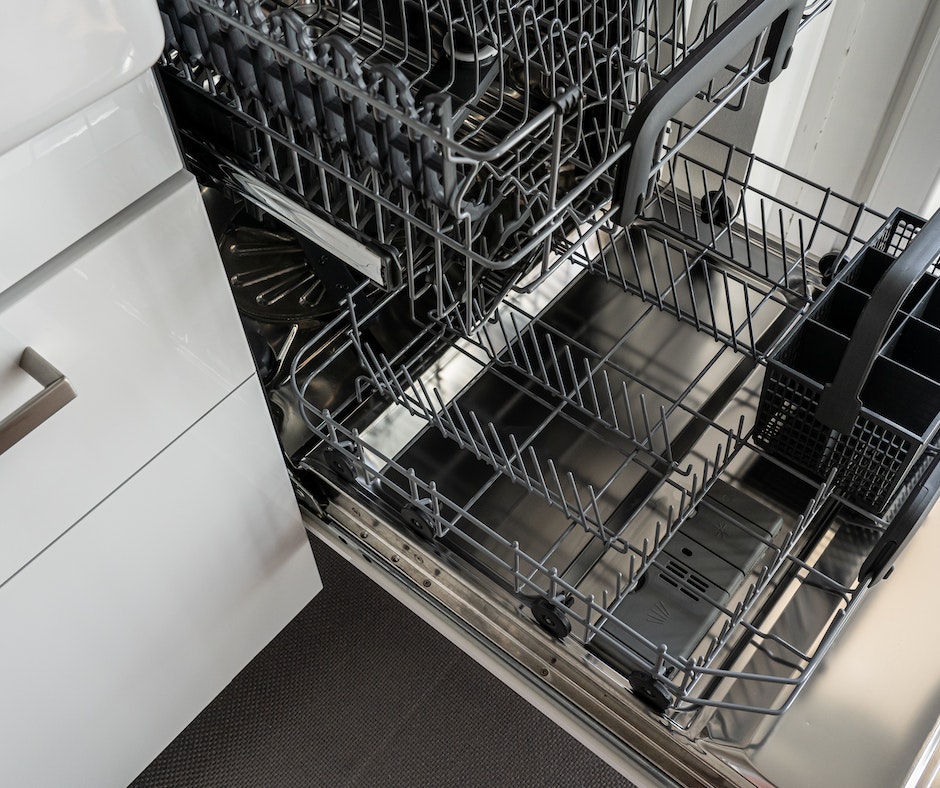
(658,107)
(839,403)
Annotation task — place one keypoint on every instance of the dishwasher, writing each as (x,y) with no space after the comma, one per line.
(550,354)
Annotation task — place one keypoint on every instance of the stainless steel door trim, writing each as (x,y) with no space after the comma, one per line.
(56,394)
(560,678)
(926,769)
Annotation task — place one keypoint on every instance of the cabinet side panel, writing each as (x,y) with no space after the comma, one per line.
(121,632)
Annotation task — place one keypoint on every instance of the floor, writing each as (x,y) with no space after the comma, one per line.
(358,691)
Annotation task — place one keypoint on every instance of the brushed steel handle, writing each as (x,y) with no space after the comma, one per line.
(56,394)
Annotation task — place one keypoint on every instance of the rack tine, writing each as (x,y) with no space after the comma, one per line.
(483,443)
(520,343)
(610,400)
(592,389)
(507,465)
(560,490)
(602,528)
(543,487)
(523,472)
(667,440)
(626,401)
(574,376)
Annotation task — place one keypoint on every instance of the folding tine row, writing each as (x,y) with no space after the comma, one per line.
(684,681)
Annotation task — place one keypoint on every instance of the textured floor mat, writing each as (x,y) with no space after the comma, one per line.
(358,691)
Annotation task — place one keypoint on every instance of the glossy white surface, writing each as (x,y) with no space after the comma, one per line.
(58,56)
(139,317)
(68,179)
(133,621)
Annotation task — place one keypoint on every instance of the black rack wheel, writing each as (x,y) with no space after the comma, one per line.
(339,463)
(551,618)
(829,265)
(650,690)
(420,521)
(716,208)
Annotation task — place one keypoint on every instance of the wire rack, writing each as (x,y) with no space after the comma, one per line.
(661,439)
(461,144)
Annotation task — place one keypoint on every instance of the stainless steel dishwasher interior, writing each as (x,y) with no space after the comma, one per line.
(706,390)
(538,415)
(694,375)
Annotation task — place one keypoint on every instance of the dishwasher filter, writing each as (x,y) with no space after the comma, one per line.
(544,319)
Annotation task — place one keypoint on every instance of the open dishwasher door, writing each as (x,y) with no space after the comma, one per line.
(551,434)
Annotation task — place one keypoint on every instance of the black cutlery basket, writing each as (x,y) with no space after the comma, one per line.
(855,386)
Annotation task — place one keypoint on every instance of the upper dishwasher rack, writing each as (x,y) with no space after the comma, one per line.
(460,144)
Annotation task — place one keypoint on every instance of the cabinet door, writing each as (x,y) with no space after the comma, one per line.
(62,183)
(121,632)
(59,57)
(139,317)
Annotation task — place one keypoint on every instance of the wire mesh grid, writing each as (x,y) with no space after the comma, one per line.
(686,678)
(469,142)
(740,282)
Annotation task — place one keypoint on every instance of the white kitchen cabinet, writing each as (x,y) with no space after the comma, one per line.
(140,321)
(60,57)
(150,542)
(138,616)
(61,184)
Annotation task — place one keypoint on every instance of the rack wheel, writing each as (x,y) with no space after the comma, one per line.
(829,265)
(340,464)
(550,617)
(419,521)
(650,690)
(716,208)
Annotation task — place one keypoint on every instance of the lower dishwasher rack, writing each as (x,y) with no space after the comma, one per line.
(576,481)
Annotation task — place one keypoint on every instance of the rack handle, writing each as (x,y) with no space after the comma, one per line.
(840,402)
(56,394)
(657,108)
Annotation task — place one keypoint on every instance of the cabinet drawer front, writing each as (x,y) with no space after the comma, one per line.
(120,633)
(140,320)
(58,58)
(65,181)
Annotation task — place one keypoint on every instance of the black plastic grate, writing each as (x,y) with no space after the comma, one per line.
(901,403)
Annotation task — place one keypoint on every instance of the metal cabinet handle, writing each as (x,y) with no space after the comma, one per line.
(58,392)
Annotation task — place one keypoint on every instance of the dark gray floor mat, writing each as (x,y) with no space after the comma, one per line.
(358,691)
